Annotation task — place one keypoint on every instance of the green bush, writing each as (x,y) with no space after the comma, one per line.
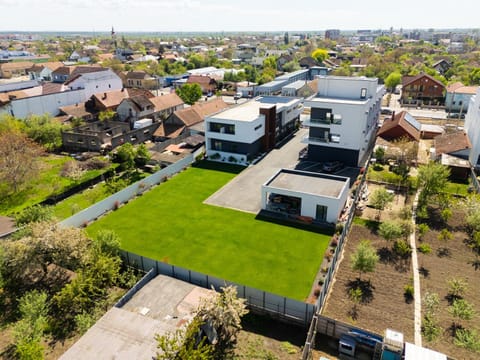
(402,248)
(408,291)
(424,249)
(430,328)
(468,339)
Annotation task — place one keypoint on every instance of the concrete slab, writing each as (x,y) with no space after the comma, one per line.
(161,306)
(244,191)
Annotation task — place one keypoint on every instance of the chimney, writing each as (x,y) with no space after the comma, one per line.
(104,96)
(123,89)
(393,115)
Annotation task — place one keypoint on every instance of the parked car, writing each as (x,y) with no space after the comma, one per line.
(385,111)
(332,166)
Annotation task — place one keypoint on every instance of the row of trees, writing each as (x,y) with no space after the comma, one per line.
(56,281)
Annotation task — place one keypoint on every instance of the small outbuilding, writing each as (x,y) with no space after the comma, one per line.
(306,195)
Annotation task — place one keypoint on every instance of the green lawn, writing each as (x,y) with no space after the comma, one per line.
(46,183)
(170,223)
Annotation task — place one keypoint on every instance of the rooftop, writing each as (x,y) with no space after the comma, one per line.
(309,183)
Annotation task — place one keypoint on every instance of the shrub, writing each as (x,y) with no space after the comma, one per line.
(424,249)
(116,205)
(390,230)
(232,159)
(430,328)
(457,287)
(35,213)
(316,292)
(468,339)
(422,230)
(334,242)
(339,228)
(445,235)
(408,291)
(431,301)
(402,248)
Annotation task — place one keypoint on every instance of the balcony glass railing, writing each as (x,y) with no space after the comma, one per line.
(332,120)
(313,139)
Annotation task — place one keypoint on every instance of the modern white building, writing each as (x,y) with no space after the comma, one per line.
(240,133)
(293,193)
(95,82)
(472,128)
(344,118)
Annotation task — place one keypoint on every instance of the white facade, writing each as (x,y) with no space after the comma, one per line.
(43,104)
(472,128)
(344,117)
(96,82)
(236,134)
(314,190)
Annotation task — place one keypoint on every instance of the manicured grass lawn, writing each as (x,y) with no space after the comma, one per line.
(170,223)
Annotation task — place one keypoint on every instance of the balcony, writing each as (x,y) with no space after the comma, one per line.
(328,120)
(315,140)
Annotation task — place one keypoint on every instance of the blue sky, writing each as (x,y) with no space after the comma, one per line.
(238,15)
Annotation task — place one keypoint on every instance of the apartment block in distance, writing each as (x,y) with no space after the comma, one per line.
(241,133)
(344,119)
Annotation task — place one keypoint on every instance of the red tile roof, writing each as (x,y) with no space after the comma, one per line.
(452,142)
(166,101)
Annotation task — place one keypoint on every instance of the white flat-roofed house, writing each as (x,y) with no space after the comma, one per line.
(472,128)
(294,193)
(241,133)
(343,120)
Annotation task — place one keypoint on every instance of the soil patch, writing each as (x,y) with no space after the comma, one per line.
(384,305)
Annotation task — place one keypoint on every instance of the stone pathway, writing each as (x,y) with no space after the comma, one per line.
(416,281)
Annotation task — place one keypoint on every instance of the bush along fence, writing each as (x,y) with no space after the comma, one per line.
(82,218)
(259,301)
(310,341)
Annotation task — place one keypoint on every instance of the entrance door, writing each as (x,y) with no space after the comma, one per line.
(321,213)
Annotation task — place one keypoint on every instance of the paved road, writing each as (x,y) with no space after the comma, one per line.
(244,191)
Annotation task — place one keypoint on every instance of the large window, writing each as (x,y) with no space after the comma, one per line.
(222,128)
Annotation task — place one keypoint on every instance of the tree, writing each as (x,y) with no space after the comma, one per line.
(365,258)
(219,315)
(380,198)
(320,55)
(35,213)
(457,288)
(28,331)
(355,295)
(44,131)
(142,155)
(392,80)
(125,155)
(390,230)
(190,93)
(432,178)
(106,115)
(379,154)
(18,159)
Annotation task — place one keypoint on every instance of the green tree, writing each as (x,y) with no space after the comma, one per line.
(457,288)
(190,93)
(125,156)
(35,213)
(106,242)
(380,198)
(390,230)
(432,179)
(355,295)
(320,55)
(44,131)
(106,115)
(142,155)
(364,258)
(392,80)
(28,331)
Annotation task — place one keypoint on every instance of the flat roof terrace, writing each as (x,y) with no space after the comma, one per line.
(309,183)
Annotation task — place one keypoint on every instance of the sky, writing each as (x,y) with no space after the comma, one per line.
(237,15)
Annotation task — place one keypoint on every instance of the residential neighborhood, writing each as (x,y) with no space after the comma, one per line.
(240,194)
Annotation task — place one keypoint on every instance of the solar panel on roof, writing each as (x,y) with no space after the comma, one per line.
(412,121)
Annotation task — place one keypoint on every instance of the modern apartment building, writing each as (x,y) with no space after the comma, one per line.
(240,133)
(472,128)
(344,118)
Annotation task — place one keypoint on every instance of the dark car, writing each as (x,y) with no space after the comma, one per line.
(385,111)
(303,154)
(332,166)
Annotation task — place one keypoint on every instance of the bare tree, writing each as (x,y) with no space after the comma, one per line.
(18,157)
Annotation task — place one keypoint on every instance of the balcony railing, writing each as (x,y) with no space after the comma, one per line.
(313,139)
(332,120)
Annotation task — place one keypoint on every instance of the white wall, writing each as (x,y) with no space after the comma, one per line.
(310,202)
(97,82)
(472,127)
(39,105)
(244,130)
(346,87)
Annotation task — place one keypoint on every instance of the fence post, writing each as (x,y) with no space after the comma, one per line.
(190,276)
(207,281)
(141,261)
(173,271)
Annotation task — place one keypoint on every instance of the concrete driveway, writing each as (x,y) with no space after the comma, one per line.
(244,191)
